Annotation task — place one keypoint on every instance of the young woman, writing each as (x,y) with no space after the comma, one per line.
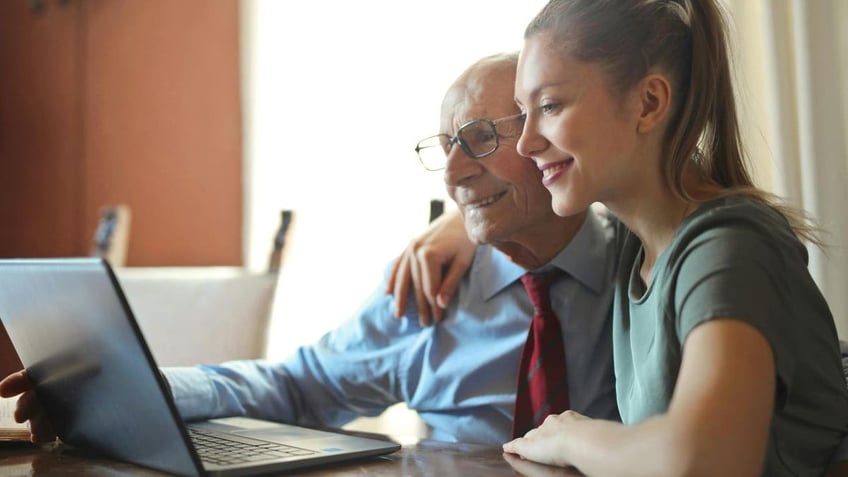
(726,355)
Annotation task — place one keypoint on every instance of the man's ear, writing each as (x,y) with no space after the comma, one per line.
(655,101)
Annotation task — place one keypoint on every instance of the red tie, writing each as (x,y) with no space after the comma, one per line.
(542,385)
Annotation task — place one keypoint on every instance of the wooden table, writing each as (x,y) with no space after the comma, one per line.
(422,458)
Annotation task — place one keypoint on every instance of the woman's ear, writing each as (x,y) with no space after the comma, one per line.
(655,101)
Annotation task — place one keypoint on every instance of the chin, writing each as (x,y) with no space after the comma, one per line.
(566,208)
(483,233)
(477,235)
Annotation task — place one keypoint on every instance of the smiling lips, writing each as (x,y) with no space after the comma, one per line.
(485,202)
(552,171)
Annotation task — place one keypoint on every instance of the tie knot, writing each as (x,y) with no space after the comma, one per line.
(538,286)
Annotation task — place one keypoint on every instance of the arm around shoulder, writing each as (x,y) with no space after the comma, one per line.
(432,266)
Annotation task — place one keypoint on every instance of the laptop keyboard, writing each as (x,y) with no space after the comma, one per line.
(226,449)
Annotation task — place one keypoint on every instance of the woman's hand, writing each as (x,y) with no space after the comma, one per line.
(432,264)
(528,468)
(546,443)
(28,409)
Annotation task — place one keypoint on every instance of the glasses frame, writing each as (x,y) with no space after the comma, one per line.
(451,140)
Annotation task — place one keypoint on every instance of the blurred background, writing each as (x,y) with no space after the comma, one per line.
(206,118)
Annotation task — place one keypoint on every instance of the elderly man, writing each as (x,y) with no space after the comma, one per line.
(460,375)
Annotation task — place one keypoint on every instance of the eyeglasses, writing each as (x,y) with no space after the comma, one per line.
(478,138)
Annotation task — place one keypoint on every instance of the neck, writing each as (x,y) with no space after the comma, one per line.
(654,213)
(537,246)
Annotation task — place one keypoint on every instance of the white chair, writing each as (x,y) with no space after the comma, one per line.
(196,315)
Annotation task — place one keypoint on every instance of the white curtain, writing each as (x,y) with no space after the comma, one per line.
(792,60)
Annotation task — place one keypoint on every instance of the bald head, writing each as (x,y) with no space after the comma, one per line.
(491,80)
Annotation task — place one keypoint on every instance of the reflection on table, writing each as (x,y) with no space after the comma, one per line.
(422,458)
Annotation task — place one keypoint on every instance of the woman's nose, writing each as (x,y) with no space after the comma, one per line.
(530,143)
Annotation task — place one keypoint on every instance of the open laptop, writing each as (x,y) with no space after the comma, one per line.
(101,388)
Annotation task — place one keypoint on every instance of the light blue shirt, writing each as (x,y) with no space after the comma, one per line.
(460,375)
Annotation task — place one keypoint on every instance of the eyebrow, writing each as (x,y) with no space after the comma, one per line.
(538,89)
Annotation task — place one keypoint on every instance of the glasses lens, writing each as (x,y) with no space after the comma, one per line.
(510,127)
(479,137)
(432,152)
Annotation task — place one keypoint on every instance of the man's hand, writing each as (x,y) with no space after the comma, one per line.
(28,409)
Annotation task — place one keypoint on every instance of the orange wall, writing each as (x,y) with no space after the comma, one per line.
(40,135)
(133,102)
(9,360)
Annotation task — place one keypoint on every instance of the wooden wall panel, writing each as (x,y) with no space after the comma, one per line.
(112,101)
(39,131)
(162,122)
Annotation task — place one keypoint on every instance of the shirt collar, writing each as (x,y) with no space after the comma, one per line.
(585,259)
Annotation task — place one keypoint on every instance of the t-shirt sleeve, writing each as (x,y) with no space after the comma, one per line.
(738,274)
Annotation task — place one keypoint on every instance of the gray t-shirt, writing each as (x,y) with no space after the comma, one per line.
(734,258)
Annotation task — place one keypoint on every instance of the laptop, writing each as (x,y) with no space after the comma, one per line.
(102,390)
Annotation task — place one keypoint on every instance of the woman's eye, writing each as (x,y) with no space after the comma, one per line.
(548,108)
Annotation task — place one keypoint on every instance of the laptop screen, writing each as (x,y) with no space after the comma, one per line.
(67,318)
